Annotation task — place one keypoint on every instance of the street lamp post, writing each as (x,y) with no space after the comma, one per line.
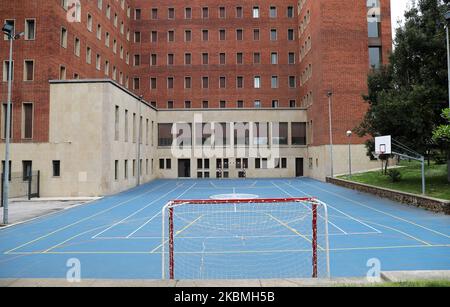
(349,135)
(139,164)
(330,94)
(447,18)
(8,30)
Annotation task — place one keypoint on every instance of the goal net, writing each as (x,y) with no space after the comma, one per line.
(245,239)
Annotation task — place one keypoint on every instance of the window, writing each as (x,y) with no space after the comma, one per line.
(187,35)
(257,82)
(188,13)
(187,82)
(274,58)
(261,133)
(88,55)
(291,58)
(273,12)
(205,12)
(27,121)
(27,169)
(187,104)
(6,75)
(89,22)
(136,83)
(222,12)
(223,104)
(290,34)
(240,104)
(125,169)
(137,37)
(126,126)
(292,81)
(63,38)
(290,12)
(62,73)
(28,70)
(171,13)
(171,36)
(298,131)
(239,34)
(222,35)
(205,82)
(274,82)
(240,82)
(292,104)
(116,123)
(205,35)
(255,12)
(77,47)
(280,133)
(56,168)
(239,12)
(205,104)
(137,60)
(164,134)
(116,170)
(239,58)
(4,111)
(257,104)
(187,59)
(154,13)
(170,104)
(222,82)
(11,23)
(98,60)
(170,82)
(154,37)
(153,84)
(153,60)
(168,164)
(99,32)
(374,18)
(375,57)
(30,29)
(3,168)
(205,59)
(256,58)
(256,35)
(273,35)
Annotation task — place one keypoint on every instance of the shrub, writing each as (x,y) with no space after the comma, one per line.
(394,175)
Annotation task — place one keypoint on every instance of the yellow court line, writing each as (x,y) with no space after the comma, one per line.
(177,233)
(293,230)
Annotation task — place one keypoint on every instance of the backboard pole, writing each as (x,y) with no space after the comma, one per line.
(423,175)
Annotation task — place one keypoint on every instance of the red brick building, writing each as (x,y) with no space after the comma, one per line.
(204,56)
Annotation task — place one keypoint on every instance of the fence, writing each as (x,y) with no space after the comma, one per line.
(22,185)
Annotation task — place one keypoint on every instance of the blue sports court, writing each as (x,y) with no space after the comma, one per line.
(119,236)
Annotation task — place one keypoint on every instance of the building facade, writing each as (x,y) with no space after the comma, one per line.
(272,67)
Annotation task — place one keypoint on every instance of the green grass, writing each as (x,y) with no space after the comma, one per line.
(435,177)
(419,283)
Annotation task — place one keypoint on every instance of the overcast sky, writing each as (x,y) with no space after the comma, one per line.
(398,8)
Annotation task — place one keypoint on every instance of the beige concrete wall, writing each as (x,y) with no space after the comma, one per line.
(321,166)
(82,136)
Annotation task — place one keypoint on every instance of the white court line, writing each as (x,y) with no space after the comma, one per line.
(136,212)
(233,237)
(86,218)
(154,216)
(229,252)
(291,195)
(380,211)
(343,213)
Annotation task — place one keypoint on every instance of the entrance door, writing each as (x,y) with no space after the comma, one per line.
(299,167)
(184,168)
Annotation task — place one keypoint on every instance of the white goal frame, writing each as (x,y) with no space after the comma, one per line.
(167,214)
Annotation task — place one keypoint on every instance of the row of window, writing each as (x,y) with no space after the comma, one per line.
(27,120)
(235,134)
(126,168)
(136,128)
(27,169)
(224,164)
(222,58)
(30,28)
(221,12)
(205,35)
(224,104)
(222,82)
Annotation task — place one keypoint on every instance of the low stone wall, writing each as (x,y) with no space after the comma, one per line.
(428,203)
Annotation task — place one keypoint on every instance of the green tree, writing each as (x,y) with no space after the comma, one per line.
(442,135)
(406,97)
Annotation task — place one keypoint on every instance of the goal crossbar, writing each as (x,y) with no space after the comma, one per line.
(168,221)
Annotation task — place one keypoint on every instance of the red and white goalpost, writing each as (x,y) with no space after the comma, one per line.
(245,239)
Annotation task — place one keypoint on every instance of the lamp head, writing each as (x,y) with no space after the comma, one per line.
(8,29)
(447,16)
(349,133)
(329,93)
